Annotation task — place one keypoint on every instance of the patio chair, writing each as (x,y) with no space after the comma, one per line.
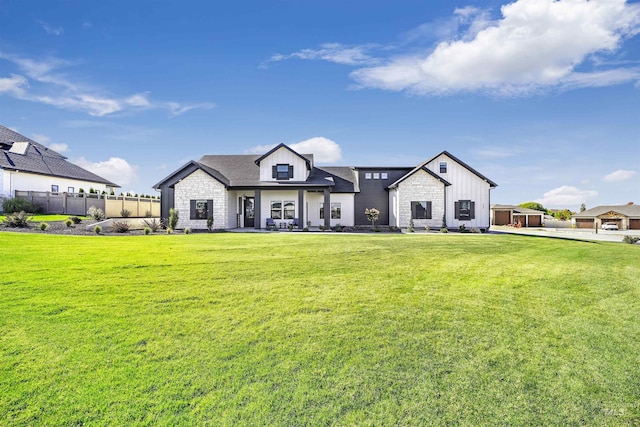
(295,223)
(271,225)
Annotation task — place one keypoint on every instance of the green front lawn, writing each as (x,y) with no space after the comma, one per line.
(318,329)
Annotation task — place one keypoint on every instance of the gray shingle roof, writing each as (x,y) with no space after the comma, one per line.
(517,209)
(38,159)
(627,210)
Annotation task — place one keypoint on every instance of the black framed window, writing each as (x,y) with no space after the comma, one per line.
(367,175)
(201,209)
(384,175)
(336,210)
(71,190)
(282,171)
(421,209)
(276,210)
(443,167)
(465,210)
(289,209)
(54,188)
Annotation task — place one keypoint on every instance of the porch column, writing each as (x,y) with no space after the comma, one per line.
(256,210)
(300,209)
(327,209)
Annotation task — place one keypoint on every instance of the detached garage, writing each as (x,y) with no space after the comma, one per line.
(627,217)
(516,215)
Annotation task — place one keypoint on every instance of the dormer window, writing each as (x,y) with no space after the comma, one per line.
(283,171)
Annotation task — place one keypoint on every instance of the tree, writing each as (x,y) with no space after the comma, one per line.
(534,205)
(583,208)
(372,214)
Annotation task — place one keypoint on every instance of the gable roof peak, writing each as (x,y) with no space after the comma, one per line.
(279,146)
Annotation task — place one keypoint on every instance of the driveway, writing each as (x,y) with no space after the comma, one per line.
(569,233)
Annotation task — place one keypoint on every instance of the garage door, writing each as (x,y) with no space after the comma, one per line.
(501,218)
(634,224)
(535,221)
(584,223)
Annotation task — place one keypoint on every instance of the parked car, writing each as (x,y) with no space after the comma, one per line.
(609,226)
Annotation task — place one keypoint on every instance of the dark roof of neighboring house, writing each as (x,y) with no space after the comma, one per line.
(19,153)
(626,210)
(416,169)
(242,171)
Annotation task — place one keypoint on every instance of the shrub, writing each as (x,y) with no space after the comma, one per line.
(169,231)
(125,213)
(152,224)
(80,190)
(96,213)
(147,231)
(44,226)
(75,219)
(305,229)
(19,205)
(210,223)
(97,229)
(444,230)
(148,214)
(630,239)
(68,222)
(173,218)
(475,230)
(17,220)
(411,229)
(187,230)
(338,228)
(120,226)
(372,214)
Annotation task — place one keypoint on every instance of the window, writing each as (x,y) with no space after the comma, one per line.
(443,167)
(289,210)
(465,210)
(71,190)
(367,175)
(336,211)
(376,175)
(282,171)
(384,175)
(276,210)
(421,210)
(200,209)
(283,210)
(54,188)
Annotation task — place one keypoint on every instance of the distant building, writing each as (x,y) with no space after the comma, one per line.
(26,165)
(627,217)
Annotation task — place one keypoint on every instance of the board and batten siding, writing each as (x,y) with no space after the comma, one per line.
(418,187)
(285,157)
(201,186)
(346,201)
(465,185)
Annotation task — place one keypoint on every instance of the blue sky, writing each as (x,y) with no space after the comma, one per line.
(542,97)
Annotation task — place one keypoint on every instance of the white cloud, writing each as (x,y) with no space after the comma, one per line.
(538,44)
(41,138)
(116,170)
(324,150)
(58,147)
(333,52)
(619,175)
(51,87)
(566,197)
(52,31)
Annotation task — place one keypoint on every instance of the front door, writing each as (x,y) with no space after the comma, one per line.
(249,212)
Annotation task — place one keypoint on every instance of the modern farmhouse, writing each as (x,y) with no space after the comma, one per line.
(283,187)
(26,165)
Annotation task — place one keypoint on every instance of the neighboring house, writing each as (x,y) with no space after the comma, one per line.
(26,165)
(627,217)
(514,215)
(244,191)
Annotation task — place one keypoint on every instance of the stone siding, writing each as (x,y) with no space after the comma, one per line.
(201,186)
(421,187)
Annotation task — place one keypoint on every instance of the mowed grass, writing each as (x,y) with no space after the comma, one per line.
(318,329)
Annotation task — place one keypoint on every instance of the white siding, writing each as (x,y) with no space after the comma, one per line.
(465,185)
(201,186)
(24,181)
(347,209)
(286,157)
(419,187)
(266,197)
